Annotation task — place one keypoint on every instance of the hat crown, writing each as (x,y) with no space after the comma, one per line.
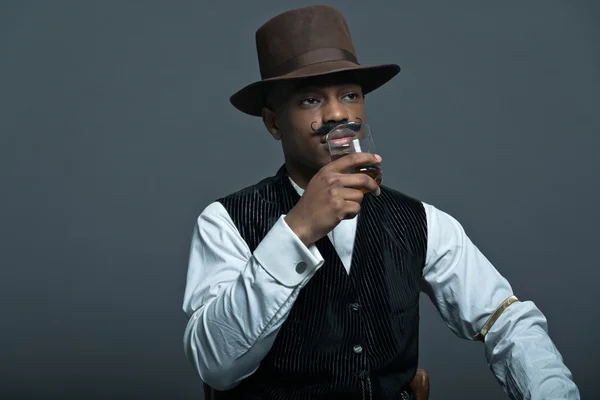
(321,32)
(306,43)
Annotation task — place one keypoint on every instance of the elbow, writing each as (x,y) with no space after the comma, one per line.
(218,374)
(218,378)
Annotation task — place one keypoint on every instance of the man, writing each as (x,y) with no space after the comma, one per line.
(306,285)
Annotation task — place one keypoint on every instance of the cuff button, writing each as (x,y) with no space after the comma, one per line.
(301,267)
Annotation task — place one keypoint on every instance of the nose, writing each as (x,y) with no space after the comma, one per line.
(335,112)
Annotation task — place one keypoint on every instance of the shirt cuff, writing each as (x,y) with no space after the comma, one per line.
(283,255)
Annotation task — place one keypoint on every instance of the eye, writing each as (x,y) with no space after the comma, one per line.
(309,101)
(352,96)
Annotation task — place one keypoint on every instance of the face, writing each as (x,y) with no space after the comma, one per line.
(301,115)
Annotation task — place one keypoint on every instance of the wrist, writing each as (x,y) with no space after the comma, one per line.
(299,228)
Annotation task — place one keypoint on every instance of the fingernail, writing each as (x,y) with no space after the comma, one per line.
(378,157)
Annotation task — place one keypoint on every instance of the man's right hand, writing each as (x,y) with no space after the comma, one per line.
(332,196)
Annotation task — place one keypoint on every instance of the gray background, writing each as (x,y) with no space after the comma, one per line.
(116,131)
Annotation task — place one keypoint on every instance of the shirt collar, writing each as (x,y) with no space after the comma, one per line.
(296,187)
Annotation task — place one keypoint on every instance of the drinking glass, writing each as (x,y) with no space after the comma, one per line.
(354,137)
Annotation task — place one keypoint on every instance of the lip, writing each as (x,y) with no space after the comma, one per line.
(341,142)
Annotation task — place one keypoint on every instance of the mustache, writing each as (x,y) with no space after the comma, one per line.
(327,127)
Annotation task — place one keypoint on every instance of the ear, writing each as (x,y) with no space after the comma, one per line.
(270,120)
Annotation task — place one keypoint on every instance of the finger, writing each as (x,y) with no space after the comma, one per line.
(353,160)
(359,181)
(348,194)
(351,209)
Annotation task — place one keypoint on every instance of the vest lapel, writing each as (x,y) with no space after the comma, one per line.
(367,252)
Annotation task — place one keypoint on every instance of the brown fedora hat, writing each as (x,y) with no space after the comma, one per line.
(302,43)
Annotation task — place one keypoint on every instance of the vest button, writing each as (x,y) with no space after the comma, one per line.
(358,349)
(301,267)
(404,395)
(355,306)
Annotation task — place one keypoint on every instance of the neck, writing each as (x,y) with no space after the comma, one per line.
(300,175)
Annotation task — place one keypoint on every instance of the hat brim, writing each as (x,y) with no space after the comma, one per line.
(251,99)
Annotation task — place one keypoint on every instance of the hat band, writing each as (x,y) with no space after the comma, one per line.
(312,57)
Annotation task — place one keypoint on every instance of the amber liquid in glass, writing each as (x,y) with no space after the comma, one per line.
(374,171)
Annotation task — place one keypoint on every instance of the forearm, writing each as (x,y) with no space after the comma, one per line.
(237,301)
(523,357)
(468,291)
(229,336)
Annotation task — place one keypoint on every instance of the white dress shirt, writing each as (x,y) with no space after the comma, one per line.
(238,300)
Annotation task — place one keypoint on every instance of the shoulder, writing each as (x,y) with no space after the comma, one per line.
(432,213)
(213,216)
(442,224)
(217,211)
(253,190)
(395,197)
(435,217)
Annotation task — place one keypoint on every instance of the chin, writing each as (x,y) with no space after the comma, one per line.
(317,163)
(317,159)
(323,160)
(324,157)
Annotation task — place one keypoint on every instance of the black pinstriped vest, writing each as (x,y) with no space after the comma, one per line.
(348,336)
